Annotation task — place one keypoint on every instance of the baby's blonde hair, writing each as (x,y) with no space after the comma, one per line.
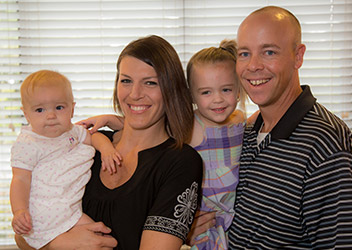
(227,51)
(44,78)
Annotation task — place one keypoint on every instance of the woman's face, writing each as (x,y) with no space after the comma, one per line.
(139,94)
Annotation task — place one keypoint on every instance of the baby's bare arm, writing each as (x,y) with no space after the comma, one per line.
(110,157)
(95,122)
(19,197)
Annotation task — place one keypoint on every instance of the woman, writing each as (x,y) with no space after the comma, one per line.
(149,203)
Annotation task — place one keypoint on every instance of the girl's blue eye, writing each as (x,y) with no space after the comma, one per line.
(227,90)
(39,110)
(205,92)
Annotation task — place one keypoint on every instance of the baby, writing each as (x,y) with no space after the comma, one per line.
(51,161)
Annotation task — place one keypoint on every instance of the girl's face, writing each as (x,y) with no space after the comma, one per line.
(49,109)
(139,94)
(215,90)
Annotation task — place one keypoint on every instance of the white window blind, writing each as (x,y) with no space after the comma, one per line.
(82,40)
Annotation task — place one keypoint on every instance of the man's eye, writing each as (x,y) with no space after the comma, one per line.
(270,52)
(59,107)
(243,54)
(39,110)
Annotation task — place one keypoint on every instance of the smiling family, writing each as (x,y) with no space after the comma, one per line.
(281,179)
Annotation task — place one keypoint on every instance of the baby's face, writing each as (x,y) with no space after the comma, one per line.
(49,110)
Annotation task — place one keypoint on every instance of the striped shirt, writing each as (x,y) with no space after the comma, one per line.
(295,188)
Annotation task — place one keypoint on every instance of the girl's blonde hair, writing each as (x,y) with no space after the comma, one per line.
(227,51)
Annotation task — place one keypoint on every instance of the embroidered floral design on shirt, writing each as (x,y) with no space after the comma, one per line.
(187,204)
(73,142)
(166,225)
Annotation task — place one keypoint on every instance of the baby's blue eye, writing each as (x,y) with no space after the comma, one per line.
(39,110)
(60,107)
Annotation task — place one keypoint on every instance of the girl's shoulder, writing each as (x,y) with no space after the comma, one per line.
(253,117)
(237,117)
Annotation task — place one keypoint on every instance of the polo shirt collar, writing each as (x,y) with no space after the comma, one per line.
(293,116)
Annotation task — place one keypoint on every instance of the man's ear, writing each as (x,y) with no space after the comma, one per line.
(73,108)
(299,54)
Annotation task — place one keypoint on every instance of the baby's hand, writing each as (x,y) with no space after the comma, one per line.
(22,222)
(110,159)
(94,123)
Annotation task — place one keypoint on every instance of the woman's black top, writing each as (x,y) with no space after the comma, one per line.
(162,195)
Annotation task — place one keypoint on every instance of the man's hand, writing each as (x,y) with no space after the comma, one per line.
(202,222)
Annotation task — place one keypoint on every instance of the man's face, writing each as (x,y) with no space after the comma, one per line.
(267,61)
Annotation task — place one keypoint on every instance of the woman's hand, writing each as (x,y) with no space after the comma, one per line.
(92,236)
(202,222)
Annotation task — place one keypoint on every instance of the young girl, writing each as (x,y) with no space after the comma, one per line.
(217,134)
(51,161)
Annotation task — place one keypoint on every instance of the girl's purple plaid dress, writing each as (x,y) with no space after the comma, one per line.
(220,151)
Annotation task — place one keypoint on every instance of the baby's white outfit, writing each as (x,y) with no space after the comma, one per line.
(60,170)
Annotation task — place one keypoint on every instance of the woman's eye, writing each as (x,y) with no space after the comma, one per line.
(39,110)
(125,81)
(151,83)
(60,107)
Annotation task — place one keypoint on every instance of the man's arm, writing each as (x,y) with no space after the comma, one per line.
(327,203)
(202,222)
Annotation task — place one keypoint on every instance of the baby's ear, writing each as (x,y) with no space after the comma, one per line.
(73,109)
(25,115)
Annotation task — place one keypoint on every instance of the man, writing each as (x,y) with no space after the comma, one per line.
(295,187)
